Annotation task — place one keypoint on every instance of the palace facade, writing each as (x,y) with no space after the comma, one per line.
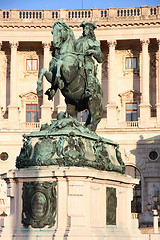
(130,78)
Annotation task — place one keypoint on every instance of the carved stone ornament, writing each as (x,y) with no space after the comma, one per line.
(131,96)
(0,45)
(29,97)
(39,204)
(14,45)
(112,43)
(65,142)
(145,42)
(111,205)
(46,45)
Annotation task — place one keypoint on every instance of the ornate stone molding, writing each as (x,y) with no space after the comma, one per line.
(39,204)
(158,41)
(46,45)
(130,95)
(30,97)
(145,42)
(109,22)
(0,45)
(13,45)
(112,43)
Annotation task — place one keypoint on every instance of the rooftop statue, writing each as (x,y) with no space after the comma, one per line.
(72,69)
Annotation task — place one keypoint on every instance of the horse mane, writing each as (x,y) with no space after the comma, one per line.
(70,41)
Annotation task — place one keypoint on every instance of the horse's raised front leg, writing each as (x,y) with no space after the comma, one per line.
(58,79)
(39,82)
(48,75)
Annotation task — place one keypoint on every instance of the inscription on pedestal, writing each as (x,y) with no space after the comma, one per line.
(39,204)
(111,205)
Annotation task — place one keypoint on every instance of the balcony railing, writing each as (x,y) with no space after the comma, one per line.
(80,14)
(151,236)
(68,15)
(128,12)
(130,124)
(31,14)
(30,125)
(134,215)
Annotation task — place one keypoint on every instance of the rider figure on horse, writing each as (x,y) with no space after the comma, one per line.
(88,45)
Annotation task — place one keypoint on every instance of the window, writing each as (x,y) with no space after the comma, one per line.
(136,202)
(131,112)
(31,113)
(32,65)
(131,63)
(4,156)
(82,116)
(153,155)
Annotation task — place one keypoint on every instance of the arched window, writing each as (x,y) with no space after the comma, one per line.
(136,204)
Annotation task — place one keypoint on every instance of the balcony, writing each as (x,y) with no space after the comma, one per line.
(129,124)
(30,125)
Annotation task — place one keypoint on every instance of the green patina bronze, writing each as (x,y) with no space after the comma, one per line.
(39,204)
(72,69)
(66,142)
(111,205)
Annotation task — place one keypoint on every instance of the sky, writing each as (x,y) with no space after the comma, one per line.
(73,4)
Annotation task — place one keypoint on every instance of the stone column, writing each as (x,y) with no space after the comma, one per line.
(13,109)
(158,87)
(99,72)
(145,105)
(111,106)
(46,108)
(1,107)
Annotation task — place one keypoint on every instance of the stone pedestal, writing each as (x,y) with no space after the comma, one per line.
(69,203)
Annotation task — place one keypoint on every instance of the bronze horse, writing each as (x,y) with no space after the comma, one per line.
(67,72)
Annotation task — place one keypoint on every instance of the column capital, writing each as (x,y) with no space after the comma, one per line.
(0,45)
(158,41)
(14,45)
(145,42)
(46,45)
(112,43)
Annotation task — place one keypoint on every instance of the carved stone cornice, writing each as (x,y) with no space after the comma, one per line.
(131,23)
(46,45)
(13,45)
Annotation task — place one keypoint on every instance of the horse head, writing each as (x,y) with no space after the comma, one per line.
(63,35)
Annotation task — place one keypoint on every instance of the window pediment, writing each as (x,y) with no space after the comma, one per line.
(131,95)
(29,97)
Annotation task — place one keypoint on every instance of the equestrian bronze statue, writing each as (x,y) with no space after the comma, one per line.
(72,69)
